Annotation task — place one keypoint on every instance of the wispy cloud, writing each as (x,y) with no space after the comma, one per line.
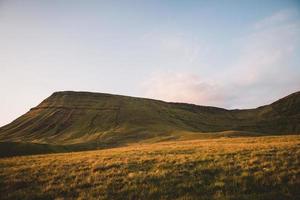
(277,18)
(267,50)
(177,49)
(263,65)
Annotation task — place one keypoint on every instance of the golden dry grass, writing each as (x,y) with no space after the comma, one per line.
(225,168)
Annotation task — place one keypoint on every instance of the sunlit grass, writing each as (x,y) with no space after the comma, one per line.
(226,168)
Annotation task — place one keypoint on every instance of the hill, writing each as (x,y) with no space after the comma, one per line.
(68,121)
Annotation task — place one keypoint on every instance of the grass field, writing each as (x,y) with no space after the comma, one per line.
(223,168)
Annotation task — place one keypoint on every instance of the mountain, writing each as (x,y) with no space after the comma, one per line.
(68,121)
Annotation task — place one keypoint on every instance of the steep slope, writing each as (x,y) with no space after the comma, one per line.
(100,120)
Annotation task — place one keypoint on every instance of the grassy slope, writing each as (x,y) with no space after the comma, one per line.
(8,149)
(224,168)
(81,120)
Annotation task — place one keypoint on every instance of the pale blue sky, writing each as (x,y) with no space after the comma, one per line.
(228,53)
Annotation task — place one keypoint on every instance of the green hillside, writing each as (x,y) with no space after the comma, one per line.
(83,120)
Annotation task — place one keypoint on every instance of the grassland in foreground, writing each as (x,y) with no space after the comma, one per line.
(226,168)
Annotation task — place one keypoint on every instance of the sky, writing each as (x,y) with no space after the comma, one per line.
(225,53)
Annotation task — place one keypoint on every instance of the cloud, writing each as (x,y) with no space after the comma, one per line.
(176,49)
(183,87)
(265,64)
(277,18)
(266,52)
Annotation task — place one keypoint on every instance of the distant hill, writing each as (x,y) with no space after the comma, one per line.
(83,120)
